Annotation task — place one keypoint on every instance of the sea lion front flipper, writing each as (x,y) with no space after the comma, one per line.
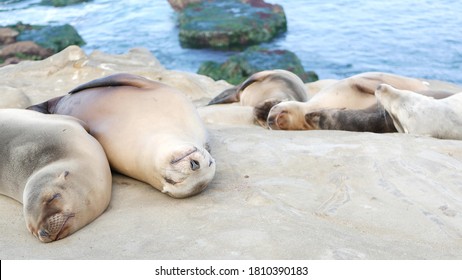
(115,80)
(230,95)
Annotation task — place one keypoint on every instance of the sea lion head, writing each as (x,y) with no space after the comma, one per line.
(388,97)
(188,170)
(55,207)
(287,116)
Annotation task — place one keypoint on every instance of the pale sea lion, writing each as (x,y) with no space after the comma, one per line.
(356,92)
(271,84)
(417,114)
(150,131)
(54,168)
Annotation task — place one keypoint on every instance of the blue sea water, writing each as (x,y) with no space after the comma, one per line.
(335,38)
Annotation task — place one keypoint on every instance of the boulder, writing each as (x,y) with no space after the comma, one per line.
(7,35)
(230,24)
(55,38)
(24,50)
(239,67)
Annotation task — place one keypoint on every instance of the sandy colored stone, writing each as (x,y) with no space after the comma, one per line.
(276,194)
(7,35)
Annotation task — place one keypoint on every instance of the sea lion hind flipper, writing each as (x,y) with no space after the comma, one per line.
(46,107)
(41,107)
(115,80)
(230,95)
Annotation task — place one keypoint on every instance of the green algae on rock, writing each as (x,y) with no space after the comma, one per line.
(230,24)
(55,38)
(239,67)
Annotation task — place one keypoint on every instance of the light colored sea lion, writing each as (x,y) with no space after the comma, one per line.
(276,84)
(373,119)
(150,131)
(417,114)
(356,92)
(55,169)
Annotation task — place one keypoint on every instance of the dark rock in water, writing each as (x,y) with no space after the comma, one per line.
(24,50)
(255,59)
(55,38)
(179,5)
(7,36)
(230,24)
(61,3)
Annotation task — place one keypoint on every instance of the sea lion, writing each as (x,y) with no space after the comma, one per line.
(150,131)
(418,114)
(54,168)
(277,84)
(356,92)
(373,119)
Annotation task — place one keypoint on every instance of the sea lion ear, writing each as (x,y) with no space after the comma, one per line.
(207,147)
(63,175)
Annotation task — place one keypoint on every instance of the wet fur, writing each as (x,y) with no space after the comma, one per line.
(374,119)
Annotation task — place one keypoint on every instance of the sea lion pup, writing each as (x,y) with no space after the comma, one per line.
(271,84)
(150,131)
(373,119)
(417,114)
(356,92)
(54,168)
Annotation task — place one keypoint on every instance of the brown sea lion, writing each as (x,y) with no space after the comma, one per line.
(356,92)
(54,168)
(150,131)
(277,84)
(373,119)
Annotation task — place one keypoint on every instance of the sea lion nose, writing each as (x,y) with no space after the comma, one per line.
(195,165)
(43,233)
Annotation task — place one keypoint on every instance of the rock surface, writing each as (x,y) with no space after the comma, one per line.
(230,24)
(239,67)
(276,194)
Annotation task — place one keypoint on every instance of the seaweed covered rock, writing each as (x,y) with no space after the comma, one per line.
(55,38)
(34,42)
(61,3)
(230,24)
(239,67)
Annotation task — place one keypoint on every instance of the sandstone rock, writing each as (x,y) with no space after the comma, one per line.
(13,98)
(276,194)
(7,35)
(239,67)
(230,24)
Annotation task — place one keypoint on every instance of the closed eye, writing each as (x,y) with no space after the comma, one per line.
(55,196)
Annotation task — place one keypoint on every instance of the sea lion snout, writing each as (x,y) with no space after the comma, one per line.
(190,172)
(195,164)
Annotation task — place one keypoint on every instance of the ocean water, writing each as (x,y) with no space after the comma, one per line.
(336,38)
